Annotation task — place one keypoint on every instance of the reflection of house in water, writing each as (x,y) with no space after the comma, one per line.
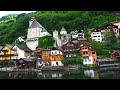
(91,73)
(50,75)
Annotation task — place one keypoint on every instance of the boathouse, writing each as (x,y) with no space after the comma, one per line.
(26,63)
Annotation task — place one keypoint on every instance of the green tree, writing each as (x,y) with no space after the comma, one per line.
(109,40)
(46,42)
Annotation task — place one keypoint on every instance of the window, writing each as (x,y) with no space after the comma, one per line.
(83,52)
(89,60)
(21,61)
(86,52)
(45,56)
(85,60)
(93,52)
(94,59)
(66,55)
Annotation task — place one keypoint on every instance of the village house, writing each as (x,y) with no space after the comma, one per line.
(6,52)
(26,63)
(96,35)
(70,49)
(35,31)
(89,55)
(21,39)
(110,27)
(116,23)
(74,35)
(56,56)
(80,34)
(21,51)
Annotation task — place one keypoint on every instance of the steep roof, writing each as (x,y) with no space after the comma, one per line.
(35,23)
(23,48)
(1,47)
(63,29)
(9,45)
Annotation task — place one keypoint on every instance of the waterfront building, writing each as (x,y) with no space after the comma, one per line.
(89,55)
(21,51)
(6,52)
(56,56)
(26,63)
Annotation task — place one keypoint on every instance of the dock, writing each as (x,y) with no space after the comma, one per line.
(108,62)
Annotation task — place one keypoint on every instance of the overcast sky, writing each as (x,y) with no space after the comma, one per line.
(3,13)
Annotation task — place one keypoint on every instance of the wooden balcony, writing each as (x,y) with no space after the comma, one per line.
(70,52)
(5,50)
(5,55)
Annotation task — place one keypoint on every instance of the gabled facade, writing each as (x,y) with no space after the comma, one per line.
(70,50)
(6,52)
(89,55)
(21,52)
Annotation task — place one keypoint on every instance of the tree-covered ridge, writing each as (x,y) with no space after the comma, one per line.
(51,20)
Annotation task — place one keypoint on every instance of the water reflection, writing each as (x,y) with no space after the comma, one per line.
(93,74)
(96,73)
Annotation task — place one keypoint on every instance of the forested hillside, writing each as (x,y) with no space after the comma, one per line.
(13,26)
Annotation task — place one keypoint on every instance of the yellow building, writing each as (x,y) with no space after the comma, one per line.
(6,52)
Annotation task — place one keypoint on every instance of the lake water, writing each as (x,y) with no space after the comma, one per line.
(96,73)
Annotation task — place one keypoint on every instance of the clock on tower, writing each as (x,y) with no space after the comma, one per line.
(33,32)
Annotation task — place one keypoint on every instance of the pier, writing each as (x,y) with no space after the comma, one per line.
(108,62)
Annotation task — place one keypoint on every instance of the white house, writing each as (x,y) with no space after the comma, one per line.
(20,51)
(80,33)
(21,38)
(35,31)
(96,35)
(87,60)
(55,54)
(63,31)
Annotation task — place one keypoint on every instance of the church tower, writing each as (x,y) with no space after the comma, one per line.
(35,31)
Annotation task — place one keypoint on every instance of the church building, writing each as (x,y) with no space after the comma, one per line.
(35,31)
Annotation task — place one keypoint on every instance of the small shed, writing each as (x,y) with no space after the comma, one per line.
(26,63)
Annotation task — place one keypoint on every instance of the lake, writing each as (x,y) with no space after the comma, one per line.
(96,73)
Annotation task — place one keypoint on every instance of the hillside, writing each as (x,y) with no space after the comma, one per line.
(11,27)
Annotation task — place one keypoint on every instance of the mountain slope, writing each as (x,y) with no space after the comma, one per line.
(12,27)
